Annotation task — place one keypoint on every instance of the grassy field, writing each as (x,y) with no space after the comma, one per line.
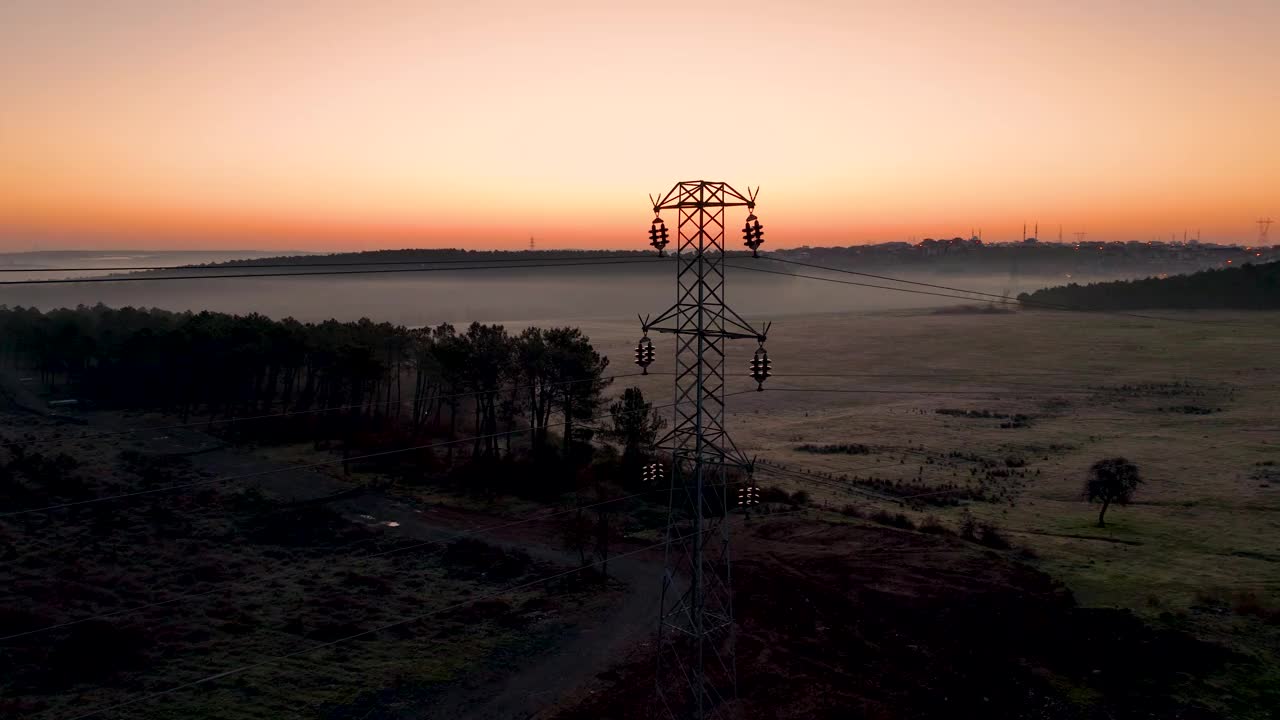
(1191,403)
(987,419)
(1191,400)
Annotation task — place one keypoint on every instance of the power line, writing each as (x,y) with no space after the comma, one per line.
(844,282)
(991,297)
(835,483)
(885,277)
(231,265)
(946,375)
(323,463)
(893,391)
(153,278)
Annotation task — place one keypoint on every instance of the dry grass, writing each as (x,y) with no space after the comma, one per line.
(1204,525)
(1094,386)
(1206,519)
(267,578)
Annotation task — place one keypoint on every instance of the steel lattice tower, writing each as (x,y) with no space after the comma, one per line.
(696,675)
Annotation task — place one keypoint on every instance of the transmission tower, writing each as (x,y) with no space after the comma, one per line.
(696,673)
(1264,227)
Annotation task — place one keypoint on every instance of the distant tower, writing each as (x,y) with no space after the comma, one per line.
(1024,232)
(1079,236)
(1264,225)
(531,243)
(1059,234)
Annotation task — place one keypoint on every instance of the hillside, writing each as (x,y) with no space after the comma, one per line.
(1248,287)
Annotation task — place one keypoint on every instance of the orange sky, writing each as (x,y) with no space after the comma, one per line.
(331,125)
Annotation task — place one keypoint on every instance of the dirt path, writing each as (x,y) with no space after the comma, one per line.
(578,646)
(522,686)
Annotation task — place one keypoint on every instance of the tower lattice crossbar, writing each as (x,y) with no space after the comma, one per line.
(696,673)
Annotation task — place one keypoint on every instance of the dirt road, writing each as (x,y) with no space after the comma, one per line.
(574,648)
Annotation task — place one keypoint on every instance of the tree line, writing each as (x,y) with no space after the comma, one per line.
(224,366)
(1248,287)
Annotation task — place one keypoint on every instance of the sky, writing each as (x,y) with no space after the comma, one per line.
(338,125)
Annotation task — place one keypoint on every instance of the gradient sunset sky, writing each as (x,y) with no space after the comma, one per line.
(347,125)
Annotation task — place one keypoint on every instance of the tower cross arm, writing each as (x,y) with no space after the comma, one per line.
(703,194)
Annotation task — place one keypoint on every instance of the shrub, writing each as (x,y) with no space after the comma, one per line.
(893,520)
(989,535)
(842,448)
(471,558)
(931,526)
(774,495)
(1247,602)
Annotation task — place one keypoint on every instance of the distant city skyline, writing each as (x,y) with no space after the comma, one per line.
(330,126)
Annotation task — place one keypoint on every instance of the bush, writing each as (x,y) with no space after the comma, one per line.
(473,559)
(989,535)
(1247,602)
(899,520)
(841,449)
(851,511)
(933,527)
(774,495)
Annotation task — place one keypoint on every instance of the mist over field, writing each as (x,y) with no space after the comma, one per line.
(559,294)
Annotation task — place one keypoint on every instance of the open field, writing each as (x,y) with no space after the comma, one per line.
(1191,403)
(1091,387)
(949,419)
